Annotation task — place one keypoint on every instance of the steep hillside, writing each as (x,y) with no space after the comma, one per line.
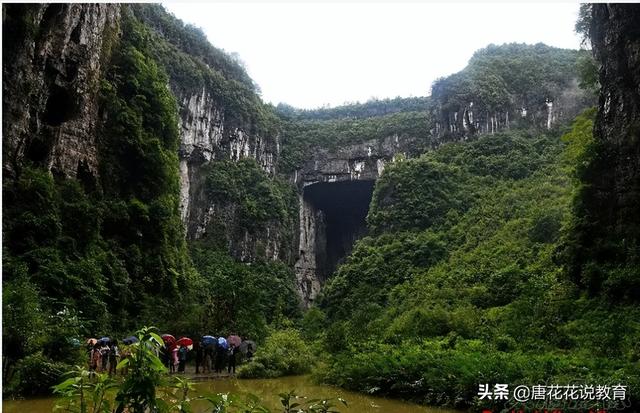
(604,254)
(98,156)
(145,182)
(508,259)
(459,280)
(512,85)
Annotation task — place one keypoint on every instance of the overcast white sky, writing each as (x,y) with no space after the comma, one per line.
(313,54)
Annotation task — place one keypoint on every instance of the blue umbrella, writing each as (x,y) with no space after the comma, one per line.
(104,340)
(130,340)
(206,340)
(223,343)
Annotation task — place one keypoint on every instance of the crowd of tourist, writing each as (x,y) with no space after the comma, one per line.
(210,353)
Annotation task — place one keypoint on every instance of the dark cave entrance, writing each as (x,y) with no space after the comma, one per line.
(343,207)
(61,106)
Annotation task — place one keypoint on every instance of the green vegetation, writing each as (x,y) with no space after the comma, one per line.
(93,256)
(285,352)
(479,266)
(194,65)
(518,74)
(85,255)
(139,168)
(257,199)
(240,297)
(507,78)
(459,283)
(368,109)
(301,137)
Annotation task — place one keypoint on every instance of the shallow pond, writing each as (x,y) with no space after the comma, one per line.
(267,390)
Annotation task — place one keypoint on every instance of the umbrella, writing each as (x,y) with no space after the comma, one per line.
(223,343)
(104,340)
(74,342)
(92,341)
(206,340)
(168,339)
(247,345)
(234,340)
(130,340)
(185,342)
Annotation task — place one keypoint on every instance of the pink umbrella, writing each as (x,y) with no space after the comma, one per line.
(234,340)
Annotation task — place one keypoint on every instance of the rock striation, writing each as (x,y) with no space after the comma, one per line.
(53,61)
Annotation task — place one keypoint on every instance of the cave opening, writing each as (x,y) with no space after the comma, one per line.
(343,207)
(61,106)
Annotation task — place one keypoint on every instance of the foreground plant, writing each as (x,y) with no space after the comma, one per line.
(85,392)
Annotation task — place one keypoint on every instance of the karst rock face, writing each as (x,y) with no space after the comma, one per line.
(55,57)
(52,64)
(207,135)
(616,43)
(611,198)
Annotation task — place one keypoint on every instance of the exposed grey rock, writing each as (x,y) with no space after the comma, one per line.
(51,85)
(611,197)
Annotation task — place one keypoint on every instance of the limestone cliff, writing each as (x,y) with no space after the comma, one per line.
(608,232)
(306,184)
(325,194)
(498,90)
(221,118)
(53,57)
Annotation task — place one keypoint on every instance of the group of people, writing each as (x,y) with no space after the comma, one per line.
(212,354)
(215,355)
(104,355)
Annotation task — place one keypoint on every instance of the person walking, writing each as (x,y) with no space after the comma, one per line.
(104,356)
(209,354)
(182,358)
(174,359)
(96,358)
(114,354)
(231,359)
(220,356)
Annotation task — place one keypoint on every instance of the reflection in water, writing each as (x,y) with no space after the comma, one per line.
(267,390)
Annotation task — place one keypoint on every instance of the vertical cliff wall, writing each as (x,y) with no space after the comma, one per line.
(608,232)
(53,57)
(221,119)
(335,188)
(90,190)
(616,45)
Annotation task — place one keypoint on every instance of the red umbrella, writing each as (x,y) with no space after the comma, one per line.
(168,339)
(234,340)
(184,342)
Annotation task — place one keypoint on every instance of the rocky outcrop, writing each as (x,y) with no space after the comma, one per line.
(364,161)
(311,238)
(610,201)
(359,162)
(205,136)
(475,118)
(508,86)
(52,66)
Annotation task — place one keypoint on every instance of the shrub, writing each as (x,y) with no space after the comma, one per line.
(284,353)
(37,374)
